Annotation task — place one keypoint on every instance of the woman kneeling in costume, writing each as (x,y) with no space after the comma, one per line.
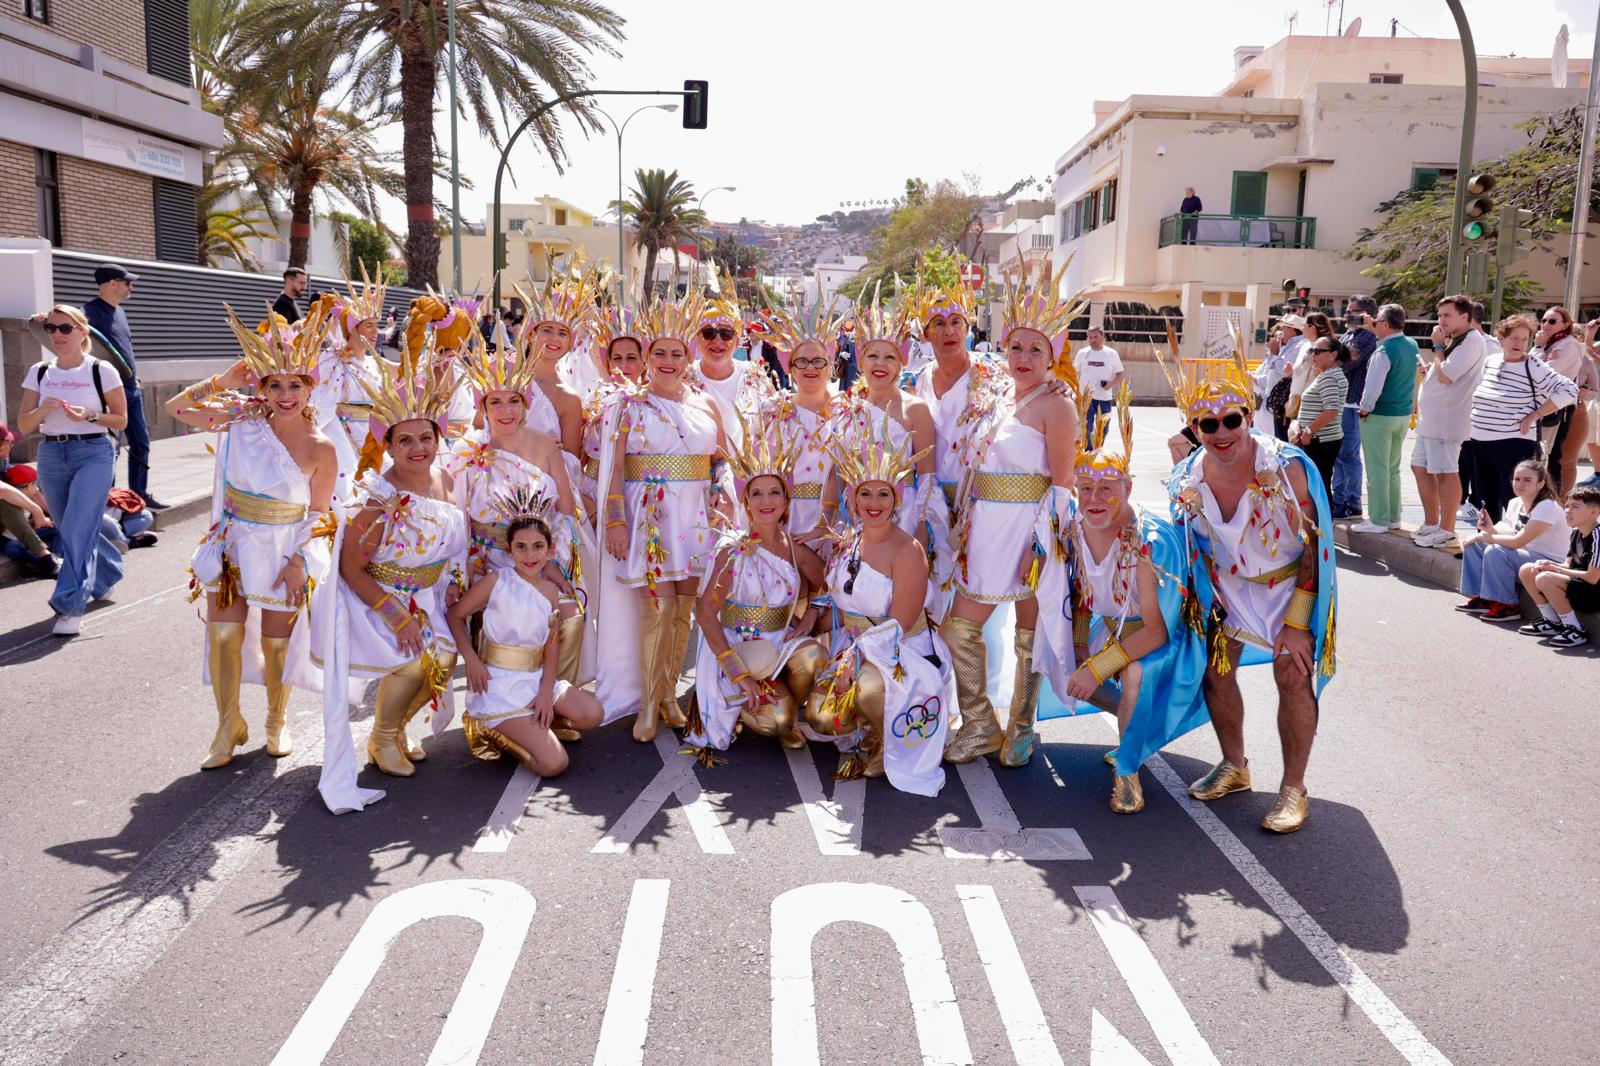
(514,694)
(890,672)
(276,477)
(756,665)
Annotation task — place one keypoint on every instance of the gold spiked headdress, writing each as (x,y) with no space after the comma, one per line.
(767,450)
(613,322)
(722,308)
(408,391)
(363,303)
(1095,462)
(1039,307)
(933,301)
(522,501)
(875,321)
(500,370)
(569,297)
(677,319)
(283,349)
(879,460)
(796,325)
(1199,392)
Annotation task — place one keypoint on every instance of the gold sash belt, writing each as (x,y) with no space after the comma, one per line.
(1010,488)
(667,467)
(261,510)
(749,616)
(1130,626)
(857,624)
(409,578)
(1286,572)
(949,488)
(511,656)
(808,490)
(491,533)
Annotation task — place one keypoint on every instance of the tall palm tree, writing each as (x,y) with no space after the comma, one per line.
(660,204)
(512,57)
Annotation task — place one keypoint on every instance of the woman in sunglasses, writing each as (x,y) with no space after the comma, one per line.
(1565,354)
(1317,428)
(734,384)
(808,418)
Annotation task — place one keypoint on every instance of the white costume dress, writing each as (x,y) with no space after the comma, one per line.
(1005,495)
(812,431)
(518,616)
(343,409)
(919,694)
(921,501)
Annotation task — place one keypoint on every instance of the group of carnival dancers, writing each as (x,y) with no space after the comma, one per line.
(564,512)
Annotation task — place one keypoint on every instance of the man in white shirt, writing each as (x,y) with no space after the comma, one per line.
(1282,348)
(1100,371)
(1444,418)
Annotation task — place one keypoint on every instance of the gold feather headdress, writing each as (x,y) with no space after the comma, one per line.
(500,370)
(284,349)
(569,297)
(886,321)
(522,501)
(613,322)
(411,390)
(795,325)
(1039,307)
(722,308)
(1094,461)
(767,450)
(927,302)
(1199,394)
(675,319)
(879,460)
(361,304)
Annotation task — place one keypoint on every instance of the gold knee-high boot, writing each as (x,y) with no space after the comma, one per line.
(487,742)
(675,645)
(274,650)
(1018,746)
(567,668)
(869,700)
(225,643)
(979,734)
(652,620)
(396,693)
(799,674)
(413,748)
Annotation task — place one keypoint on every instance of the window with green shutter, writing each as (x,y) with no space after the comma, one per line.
(1424,178)
(1108,202)
(1249,192)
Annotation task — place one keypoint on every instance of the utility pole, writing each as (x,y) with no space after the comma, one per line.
(1580,195)
(1469,123)
(455,157)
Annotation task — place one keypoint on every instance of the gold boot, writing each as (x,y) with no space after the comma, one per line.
(396,692)
(1223,779)
(225,641)
(1018,746)
(979,734)
(675,647)
(1127,795)
(1289,812)
(446,668)
(486,742)
(274,650)
(869,698)
(799,674)
(568,668)
(652,619)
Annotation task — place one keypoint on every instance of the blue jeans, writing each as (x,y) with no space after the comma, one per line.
(1098,409)
(1490,570)
(1346,487)
(75,477)
(137,438)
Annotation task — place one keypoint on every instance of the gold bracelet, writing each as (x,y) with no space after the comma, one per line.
(614,496)
(616,522)
(740,677)
(393,615)
(1108,661)
(1301,605)
(725,654)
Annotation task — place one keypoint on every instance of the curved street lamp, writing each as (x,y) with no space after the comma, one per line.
(699,209)
(622,255)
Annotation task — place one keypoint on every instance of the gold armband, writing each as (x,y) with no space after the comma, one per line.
(393,615)
(1108,661)
(1301,605)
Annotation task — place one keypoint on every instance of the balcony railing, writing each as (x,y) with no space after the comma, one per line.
(1240,231)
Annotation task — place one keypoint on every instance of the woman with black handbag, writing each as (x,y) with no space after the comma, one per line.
(1565,354)
(1514,393)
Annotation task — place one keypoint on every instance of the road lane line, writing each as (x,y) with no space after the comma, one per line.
(1395,1026)
(1014,997)
(1000,833)
(496,835)
(1107,1047)
(1162,1008)
(626,1024)
(503,911)
(91,622)
(836,822)
(675,778)
(800,913)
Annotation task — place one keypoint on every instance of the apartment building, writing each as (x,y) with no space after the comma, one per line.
(537,233)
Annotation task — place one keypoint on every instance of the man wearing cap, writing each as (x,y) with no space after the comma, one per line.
(1283,348)
(105,314)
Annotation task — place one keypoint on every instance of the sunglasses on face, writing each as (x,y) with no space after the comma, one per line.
(1231,420)
(714,332)
(59,327)
(812,363)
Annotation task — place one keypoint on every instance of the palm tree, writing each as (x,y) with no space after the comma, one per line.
(512,57)
(659,204)
(225,235)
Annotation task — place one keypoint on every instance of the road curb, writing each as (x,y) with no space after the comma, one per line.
(1396,551)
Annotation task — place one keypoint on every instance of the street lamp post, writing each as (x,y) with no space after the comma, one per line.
(622,255)
(455,156)
(699,209)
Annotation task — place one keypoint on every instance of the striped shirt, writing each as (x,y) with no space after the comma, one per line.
(1326,393)
(1584,553)
(1509,392)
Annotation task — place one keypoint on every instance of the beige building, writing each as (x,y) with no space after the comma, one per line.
(537,233)
(1290,160)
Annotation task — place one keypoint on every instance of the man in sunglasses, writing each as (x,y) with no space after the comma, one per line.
(1256,520)
(736,385)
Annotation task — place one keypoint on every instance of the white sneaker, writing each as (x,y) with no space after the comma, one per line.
(68,625)
(1439,538)
(1422,534)
(1368,527)
(1467,514)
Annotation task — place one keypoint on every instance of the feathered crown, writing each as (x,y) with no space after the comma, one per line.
(361,304)
(613,322)
(1039,307)
(569,297)
(1200,393)
(1095,462)
(767,450)
(411,390)
(284,349)
(795,325)
(930,301)
(521,501)
(500,370)
(722,308)
(677,319)
(879,460)
(876,321)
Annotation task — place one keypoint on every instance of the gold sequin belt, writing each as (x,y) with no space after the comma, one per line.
(1010,488)
(750,616)
(667,467)
(857,624)
(408,578)
(490,533)
(1286,572)
(511,656)
(260,510)
(353,409)
(949,488)
(808,490)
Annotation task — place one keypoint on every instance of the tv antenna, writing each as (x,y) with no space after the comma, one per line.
(1290,19)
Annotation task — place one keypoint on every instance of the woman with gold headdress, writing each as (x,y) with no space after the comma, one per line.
(890,672)
(735,384)
(556,317)
(275,479)
(1018,481)
(805,418)
(656,469)
(449,323)
(345,373)
(756,662)
(616,335)
(402,555)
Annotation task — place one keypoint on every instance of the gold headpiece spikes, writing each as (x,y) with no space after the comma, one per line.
(1039,307)
(1199,392)
(878,461)
(361,304)
(410,391)
(1095,462)
(930,301)
(767,450)
(882,321)
(796,325)
(279,350)
(501,370)
(675,319)
(521,501)
(722,308)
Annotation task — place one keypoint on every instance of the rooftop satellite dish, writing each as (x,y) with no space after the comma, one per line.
(1558,59)
(1354,29)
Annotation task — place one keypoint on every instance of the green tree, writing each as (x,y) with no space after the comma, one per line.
(225,233)
(512,56)
(1409,246)
(734,258)
(661,207)
(927,221)
(368,245)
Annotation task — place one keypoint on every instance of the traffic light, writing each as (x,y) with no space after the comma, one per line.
(1513,232)
(1289,285)
(1477,272)
(1304,293)
(1478,208)
(694,104)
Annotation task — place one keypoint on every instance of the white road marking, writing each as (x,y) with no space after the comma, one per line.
(1107,1047)
(1014,997)
(676,777)
(800,913)
(503,909)
(836,822)
(627,1019)
(1395,1026)
(496,836)
(1000,834)
(92,622)
(1162,1008)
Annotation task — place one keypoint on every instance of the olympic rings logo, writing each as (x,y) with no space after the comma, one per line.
(917,723)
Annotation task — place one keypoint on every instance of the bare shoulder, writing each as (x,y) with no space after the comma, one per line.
(549,590)
(910,559)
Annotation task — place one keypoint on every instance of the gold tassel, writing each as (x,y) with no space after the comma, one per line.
(1034,570)
(705,755)
(371,456)
(228,583)
(1327,662)
(692,722)
(1190,612)
(1219,652)
(852,768)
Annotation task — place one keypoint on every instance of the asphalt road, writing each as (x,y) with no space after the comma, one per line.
(1439,907)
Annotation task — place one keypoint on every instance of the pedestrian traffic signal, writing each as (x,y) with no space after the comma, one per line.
(1477,272)
(1514,231)
(694,104)
(1304,293)
(1478,208)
